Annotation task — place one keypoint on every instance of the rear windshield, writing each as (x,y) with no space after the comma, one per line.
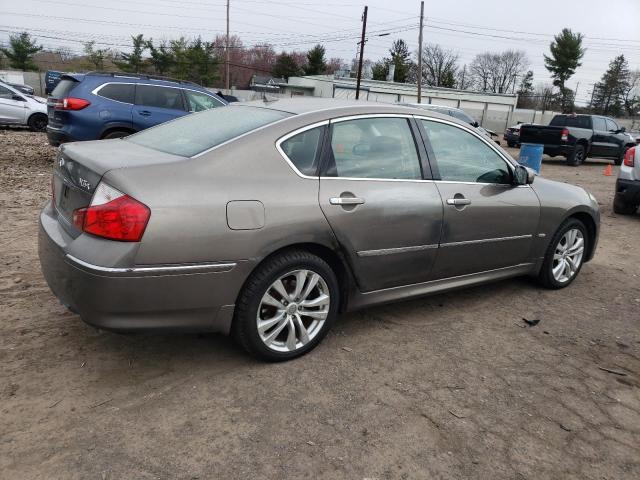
(195,133)
(63,88)
(571,121)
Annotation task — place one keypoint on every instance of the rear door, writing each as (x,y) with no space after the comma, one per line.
(155,104)
(385,215)
(599,140)
(488,223)
(12,110)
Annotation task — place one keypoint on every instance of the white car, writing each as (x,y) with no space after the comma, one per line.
(627,198)
(17,108)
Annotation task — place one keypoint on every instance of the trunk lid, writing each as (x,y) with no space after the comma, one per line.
(80,166)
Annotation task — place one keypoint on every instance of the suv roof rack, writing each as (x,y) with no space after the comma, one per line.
(142,76)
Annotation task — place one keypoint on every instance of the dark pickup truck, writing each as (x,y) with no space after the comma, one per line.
(577,137)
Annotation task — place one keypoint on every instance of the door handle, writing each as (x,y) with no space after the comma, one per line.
(346,201)
(144,113)
(458,201)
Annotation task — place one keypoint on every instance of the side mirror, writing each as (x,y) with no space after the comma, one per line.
(18,98)
(523,175)
(361,149)
(623,129)
(475,124)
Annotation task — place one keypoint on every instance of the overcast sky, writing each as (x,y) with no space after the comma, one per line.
(466,26)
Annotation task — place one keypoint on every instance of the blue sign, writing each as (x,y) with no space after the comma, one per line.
(51,79)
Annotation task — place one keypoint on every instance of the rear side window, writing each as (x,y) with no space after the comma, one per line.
(120,92)
(303,150)
(381,148)
(198,102)
(63,88)
(159,97)
(579,121)
(192,134)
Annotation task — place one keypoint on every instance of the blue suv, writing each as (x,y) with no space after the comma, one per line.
(97,105)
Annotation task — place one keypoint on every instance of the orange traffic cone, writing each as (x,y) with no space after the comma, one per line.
(608,171)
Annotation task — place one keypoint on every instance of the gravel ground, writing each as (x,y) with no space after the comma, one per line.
(450,386)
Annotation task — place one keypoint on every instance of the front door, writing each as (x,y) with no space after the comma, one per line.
(600,138)
(488,223)
(386,217)
(156,104)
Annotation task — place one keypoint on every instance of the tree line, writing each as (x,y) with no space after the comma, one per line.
(203,62)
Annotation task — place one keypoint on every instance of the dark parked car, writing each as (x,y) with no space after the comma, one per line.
(512,135)
(97,105)
(26,89)
(459,114)
(577,137)
(265,220)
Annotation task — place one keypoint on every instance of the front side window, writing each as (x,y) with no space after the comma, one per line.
(599,124)
(612,126)
(198,102)
(159,97)
(121,92)
(6,93)
(303,150)
(373,148)
(463,157)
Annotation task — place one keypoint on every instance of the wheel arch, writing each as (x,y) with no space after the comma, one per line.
(335,259)
(589,222)
(116,126)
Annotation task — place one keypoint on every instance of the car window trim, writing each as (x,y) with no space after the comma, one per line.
(96,91)
(508,161)
(292,134)
(416,143)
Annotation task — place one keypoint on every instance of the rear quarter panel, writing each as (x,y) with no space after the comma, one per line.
(188,201)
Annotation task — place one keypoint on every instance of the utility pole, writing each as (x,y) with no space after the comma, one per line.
(364,31)
(420,53)
(226,83)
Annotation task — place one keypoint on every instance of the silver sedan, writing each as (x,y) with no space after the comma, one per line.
(267,220)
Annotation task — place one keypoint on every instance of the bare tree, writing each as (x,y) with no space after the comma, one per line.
(439,67)
(464,79)
(498,72)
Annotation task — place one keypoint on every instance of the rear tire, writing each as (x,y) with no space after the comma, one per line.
(621,207)
(116,134)
(577,156)
(561,251)
(269,298)
(38,122)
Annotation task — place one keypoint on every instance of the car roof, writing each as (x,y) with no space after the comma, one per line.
(335,107)
(123,77)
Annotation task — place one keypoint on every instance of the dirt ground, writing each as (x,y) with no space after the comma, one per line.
(450,386)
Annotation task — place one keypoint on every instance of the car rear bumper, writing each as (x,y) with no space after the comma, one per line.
(195,297)
(628,190)
(57,137)
(555,150)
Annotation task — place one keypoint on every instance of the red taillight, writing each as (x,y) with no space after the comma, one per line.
(629,157)
(69,103)
(565,135)
(113,215)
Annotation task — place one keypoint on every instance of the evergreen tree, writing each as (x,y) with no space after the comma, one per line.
(21,51)
(286,66)
(162,58)
(525,91)
(316,63)
(133,62)
(380,69)
(609,92)
(401,58)
(566,52)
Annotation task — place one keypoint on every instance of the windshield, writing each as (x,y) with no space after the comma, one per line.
(195,133)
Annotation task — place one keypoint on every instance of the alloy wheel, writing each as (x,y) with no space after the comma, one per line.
(293,310)
(567,257)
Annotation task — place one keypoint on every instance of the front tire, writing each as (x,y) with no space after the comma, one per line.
(38,122)
(563,259)
(621,207)
(577,156)
(287,306)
